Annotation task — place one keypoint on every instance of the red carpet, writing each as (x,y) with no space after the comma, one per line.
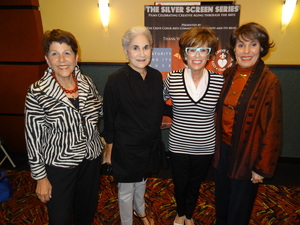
(274,204)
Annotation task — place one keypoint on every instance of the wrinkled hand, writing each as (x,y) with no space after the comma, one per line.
(256,178)
(108,151)
(44,190)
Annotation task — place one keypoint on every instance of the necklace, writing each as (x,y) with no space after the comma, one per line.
(65,90)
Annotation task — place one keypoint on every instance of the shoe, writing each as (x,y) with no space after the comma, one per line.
(178,223)
(190,222)
(142,218)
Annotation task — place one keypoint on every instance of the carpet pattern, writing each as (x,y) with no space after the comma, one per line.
(273,205)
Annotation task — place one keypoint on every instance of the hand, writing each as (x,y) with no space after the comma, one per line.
(256,178)
(44,190)
(108,153)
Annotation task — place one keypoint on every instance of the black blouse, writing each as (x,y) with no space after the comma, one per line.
(133,110)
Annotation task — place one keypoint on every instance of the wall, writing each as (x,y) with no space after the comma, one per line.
(290,79)
(82,19)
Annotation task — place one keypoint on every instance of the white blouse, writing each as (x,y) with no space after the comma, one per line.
(196,92)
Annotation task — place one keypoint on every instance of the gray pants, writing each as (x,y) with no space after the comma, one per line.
(131,197)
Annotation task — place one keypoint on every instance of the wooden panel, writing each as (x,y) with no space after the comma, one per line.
(19,2)
(14,82)
(12,133)
(21,35)
(22,62)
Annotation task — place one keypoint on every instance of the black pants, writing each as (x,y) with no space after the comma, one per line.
(74,193)
(188,171)
(234,198)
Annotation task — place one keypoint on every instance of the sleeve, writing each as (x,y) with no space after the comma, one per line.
(110,109)
(166,95)
(271,143)
(101,106)
(99,97)
(96,93)
(34,130)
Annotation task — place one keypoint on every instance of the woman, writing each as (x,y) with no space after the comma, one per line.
(133,109)
(249,125)
(63,142)
(194,92)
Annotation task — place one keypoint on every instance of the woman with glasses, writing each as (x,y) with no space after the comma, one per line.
(249,126)
(194,92)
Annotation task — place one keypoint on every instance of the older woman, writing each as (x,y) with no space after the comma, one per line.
(249,125)
(133,109)
(63,142)
(194,92)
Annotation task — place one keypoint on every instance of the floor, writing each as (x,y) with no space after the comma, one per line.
(287,173)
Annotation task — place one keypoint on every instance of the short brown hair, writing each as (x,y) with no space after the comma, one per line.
(250,31)
(196,36)
(59,36)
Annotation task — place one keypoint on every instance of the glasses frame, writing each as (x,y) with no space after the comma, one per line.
(197,50)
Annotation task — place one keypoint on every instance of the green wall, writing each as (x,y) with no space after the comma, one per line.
(289,77)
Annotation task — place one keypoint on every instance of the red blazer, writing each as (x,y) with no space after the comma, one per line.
(257,130)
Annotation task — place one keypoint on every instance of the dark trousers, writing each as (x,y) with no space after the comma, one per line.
(188,171)
(74,193)
(234,198)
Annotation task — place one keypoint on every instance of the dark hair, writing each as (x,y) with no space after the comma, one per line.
(250,31)
(196,36)
(59,36)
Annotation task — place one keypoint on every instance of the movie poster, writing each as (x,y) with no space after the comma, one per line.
(167,22)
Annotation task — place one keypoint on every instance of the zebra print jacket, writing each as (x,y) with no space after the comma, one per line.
(58,134)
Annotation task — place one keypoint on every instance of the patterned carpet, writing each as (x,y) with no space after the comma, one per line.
(274,204)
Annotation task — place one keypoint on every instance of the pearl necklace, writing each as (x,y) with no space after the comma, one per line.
(65,90)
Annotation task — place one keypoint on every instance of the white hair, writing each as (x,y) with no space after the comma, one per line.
(132,32)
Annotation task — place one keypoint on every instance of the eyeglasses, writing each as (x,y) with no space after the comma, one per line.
(192,51)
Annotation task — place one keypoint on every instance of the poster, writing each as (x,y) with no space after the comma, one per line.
(167,22)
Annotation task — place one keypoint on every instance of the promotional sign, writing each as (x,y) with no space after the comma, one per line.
(168,22)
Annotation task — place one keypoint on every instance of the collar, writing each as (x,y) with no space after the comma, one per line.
(50,87)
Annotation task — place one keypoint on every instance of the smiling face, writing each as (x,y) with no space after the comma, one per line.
(61,59)
(196,62)
(247,52)
(139,53)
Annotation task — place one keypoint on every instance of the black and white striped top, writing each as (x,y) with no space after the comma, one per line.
(57,133)
(193,128)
